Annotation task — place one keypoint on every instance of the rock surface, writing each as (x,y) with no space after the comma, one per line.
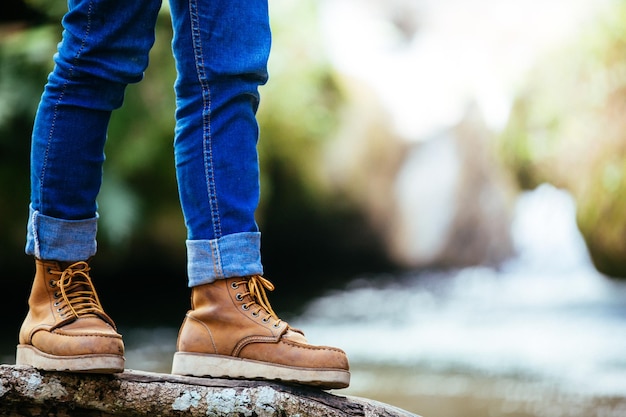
(25,391)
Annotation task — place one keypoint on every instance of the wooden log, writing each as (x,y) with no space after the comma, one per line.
(25,391)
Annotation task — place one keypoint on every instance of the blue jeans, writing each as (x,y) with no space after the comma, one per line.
(221,48)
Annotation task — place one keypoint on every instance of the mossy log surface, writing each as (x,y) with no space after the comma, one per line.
(25,391)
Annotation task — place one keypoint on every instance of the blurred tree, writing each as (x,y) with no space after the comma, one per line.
(53,9)
(18,11)
(568,128)
(313,234)
(24,64)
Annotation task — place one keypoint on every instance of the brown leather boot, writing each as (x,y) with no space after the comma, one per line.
(66,328)
(232,332)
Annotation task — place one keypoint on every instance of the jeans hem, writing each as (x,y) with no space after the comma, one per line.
(234,255)
(60,240)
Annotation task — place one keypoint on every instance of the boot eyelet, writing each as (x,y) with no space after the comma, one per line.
(255,314)
(57,295)
(52,283)
(265,320)
(234,285)
(276,325)
(57,303)
(239,297)
(245,307)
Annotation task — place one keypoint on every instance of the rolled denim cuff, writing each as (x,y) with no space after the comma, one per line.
(234,255)
(60,240)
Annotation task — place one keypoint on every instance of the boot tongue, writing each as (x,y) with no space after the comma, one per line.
(66,265)
(295,334)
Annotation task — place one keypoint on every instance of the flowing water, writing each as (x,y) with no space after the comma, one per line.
(542,335)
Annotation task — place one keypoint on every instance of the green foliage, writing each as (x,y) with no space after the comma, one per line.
(24,65)
(51,8)
(139,187)
(299,106)
(567,128)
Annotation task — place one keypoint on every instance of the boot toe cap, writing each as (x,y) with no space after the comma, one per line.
(84,336)
(291,353)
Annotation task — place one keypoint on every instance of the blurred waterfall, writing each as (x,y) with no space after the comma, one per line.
(440,77)
(546,313)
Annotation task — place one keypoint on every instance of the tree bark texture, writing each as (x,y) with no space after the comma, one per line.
(26,391)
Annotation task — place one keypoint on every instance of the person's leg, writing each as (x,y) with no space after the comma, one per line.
(105,46)
(221,49)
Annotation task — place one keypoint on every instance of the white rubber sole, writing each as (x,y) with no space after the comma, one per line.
(217,366)
(95,363)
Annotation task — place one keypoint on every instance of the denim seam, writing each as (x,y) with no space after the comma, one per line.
(59,100)
(36,248)
(207,145)
(217,260)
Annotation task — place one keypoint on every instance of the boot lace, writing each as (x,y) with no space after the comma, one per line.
(256,290)
(76,292)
